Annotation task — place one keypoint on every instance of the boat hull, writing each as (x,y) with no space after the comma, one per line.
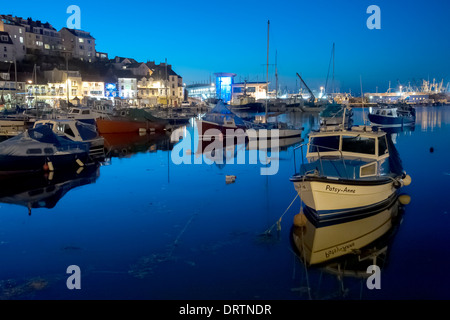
(390,121)
(127,126)
(332,199)
(212,129)
(10,164)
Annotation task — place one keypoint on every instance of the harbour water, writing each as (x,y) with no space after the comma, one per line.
(144,227)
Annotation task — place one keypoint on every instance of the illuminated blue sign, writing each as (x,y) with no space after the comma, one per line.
(111,90)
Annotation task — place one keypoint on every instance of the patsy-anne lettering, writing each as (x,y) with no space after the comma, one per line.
(339,190)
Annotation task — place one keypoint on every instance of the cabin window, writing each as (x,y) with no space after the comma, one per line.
(85,112)
(34,151)
(75,111)
(68,131)
(48,150)
(323,144)
(389,113)
(358,144)
(383,113)
(368,170)
(382,146)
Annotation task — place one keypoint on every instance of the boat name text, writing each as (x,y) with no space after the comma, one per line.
(339,190)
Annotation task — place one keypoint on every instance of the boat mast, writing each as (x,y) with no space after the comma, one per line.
(276,75)
(267,66)
(362,102)
(332,82)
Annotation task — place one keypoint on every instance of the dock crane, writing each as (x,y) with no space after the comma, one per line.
(312,98)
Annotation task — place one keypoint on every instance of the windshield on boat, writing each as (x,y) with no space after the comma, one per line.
(358,144)
(324,144)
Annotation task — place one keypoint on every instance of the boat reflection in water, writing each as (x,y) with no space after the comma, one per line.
(348,248)
(122,145)
(220,150)
(44,190)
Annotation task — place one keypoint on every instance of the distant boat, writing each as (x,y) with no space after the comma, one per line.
(40,149)
(131,120)
(392,116)
(348,171)
(221,120)
(333,115)
(14,124)
(247,103)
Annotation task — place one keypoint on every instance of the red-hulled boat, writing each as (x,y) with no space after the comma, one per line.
(219,120)
(131,120)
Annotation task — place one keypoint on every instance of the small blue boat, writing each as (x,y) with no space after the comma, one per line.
(40,149)
(393,116)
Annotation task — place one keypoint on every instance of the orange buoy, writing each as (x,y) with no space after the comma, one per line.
(299,220)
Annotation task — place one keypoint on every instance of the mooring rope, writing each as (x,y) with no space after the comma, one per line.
(278,223)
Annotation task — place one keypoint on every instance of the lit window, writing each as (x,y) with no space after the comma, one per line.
(80,40)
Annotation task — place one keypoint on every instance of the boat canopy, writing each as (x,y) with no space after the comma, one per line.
(220,111)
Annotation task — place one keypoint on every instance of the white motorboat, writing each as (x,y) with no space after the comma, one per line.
(348,171)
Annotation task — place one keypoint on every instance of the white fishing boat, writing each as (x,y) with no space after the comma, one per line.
(347,171)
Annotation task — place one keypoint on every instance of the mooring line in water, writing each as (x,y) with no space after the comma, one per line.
(179,235)
(278,223)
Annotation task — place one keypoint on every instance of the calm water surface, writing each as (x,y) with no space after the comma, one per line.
(142,227)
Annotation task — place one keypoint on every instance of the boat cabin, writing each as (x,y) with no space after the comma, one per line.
(76,131)
(360,152)
(386,112)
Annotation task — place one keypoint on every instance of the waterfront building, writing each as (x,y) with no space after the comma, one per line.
(256,90)
(11,91)
(151,92)
(127,89)
(58,85)
(17,34)
(201,91)
(224,85)
(40,38)
(80,44)
(171,90)
(6,47)
(93,89)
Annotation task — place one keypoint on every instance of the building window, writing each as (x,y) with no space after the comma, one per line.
(5,49)
(4,38)
(80,40)
(21,39)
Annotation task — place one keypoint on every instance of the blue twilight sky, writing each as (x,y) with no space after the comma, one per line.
(202,37)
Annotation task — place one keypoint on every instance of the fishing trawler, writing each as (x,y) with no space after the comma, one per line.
(348,171)
(393,116)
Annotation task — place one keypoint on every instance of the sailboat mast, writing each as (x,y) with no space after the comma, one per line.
(267,66)
(332,82)
(276,75)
